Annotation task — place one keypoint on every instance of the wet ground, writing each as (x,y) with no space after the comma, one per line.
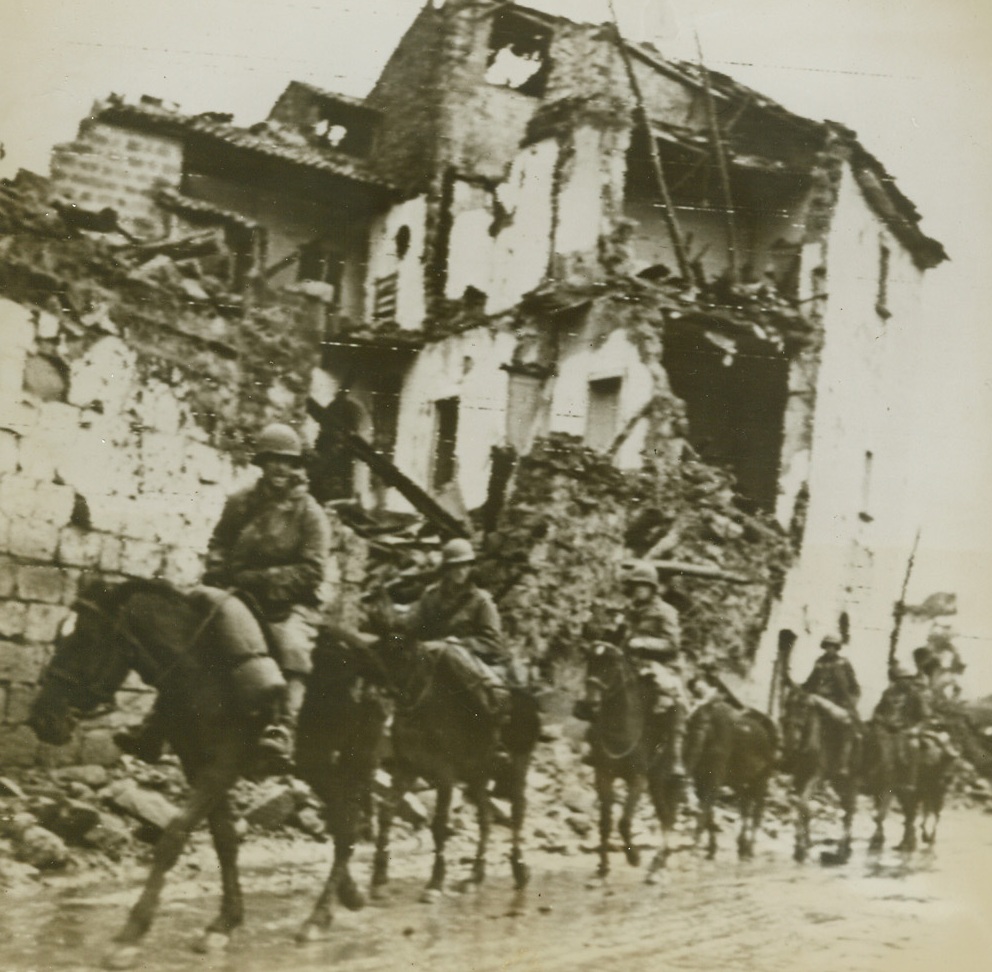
(931,911)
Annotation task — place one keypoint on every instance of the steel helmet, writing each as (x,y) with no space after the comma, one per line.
(457,551)
(641,574)
(278,440)
(898,670)
(831,641)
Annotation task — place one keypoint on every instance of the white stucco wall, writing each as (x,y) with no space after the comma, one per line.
(523,246)
(384,260)
(466,366)
(586,358)
(855,546)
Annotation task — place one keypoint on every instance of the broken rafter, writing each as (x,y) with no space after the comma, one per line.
(387,471)
(720,152)
(640,113)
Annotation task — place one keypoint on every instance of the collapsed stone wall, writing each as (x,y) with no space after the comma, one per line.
(554,560)
(131,383)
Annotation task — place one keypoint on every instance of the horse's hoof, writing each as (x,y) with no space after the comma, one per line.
(633,856)
(521,875)
(312,931)
(211,942)
(875,846)
(431,895)
(122,957)
(799,855)
(350,896)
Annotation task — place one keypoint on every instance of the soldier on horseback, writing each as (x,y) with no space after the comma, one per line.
(650,633)
(456,611)
(271,543)
(833,679)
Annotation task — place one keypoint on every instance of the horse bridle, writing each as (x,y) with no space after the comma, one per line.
(99,687)
(615,687)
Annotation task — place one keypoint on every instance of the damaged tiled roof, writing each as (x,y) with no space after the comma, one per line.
(218,127)
(186,205)
(348,101)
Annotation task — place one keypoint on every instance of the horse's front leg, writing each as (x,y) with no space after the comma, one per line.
(802,842)
(231,915)
(439,831)
(883,801)
(666,792)
(518,809)
(908,803)
(402,781)
(635,788)
(849,805)
(604,793)
(479,795)
(204,798)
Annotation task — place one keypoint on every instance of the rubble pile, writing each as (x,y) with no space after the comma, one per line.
(248,352)
(573,519)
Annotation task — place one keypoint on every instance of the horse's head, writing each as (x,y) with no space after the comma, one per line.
(90,661)
(606,673)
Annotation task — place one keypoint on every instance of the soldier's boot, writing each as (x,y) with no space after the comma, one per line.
(277,740)
(146,740)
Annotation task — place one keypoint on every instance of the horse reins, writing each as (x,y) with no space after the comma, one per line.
(608,691)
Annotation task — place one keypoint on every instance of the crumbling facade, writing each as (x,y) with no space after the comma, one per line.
(533,239)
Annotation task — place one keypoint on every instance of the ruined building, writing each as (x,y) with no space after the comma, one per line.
(534,257)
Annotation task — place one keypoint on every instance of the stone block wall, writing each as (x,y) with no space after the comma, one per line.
(106,473)
(106,467)
(119,168)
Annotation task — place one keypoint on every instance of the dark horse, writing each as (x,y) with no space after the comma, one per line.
(170,640)
(813,740)
(442,734)
(730,747)
(914,767)
(628,742)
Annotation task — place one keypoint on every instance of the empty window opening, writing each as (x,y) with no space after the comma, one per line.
(445,440)
(523,403)
(603,416)
(519,53)
(318,262)
(329,133)
(882,298)
(402,242)
(735,411)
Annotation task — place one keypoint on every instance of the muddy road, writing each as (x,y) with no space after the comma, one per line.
(932,911)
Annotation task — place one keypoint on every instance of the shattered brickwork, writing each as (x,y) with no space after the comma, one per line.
(130,387)
(109,166)
(571,520)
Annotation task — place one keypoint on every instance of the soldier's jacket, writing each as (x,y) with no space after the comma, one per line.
(903,705)
(651,630)
(833,678)
(467,613)
(275,548)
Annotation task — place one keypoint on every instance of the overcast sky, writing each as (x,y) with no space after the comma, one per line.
(912,77)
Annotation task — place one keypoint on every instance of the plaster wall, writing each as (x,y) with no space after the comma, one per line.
(466,366)
(291,222)
(594,353)
(384,259)
(863,471)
